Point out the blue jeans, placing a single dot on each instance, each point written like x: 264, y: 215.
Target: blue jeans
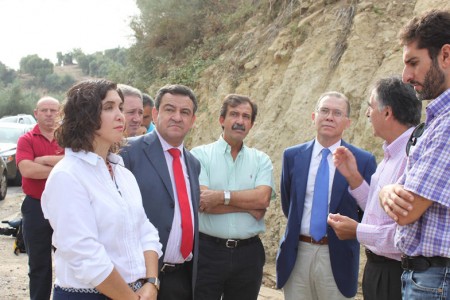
x: 430, y: 284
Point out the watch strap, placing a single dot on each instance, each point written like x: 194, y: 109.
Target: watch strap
x: 152, y: 280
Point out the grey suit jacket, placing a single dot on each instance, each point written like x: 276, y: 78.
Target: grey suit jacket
x: 144, y: 157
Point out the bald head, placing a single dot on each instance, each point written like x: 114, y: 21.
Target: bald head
x: 47, y: 99
x: 46, y: 112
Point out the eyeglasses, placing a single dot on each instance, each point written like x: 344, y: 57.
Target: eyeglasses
x: 415, y: 135
x: 324, y: 112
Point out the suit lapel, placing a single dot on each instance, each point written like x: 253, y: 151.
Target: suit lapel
x: 340, y: 185
x: 302, y: 161
x: 153, y: 151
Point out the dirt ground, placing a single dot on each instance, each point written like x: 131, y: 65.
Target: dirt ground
x: 13, y: 269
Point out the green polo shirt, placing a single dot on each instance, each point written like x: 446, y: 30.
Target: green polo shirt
x: 252, y: 168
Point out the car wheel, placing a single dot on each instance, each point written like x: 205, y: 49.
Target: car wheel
x: 3, y: 186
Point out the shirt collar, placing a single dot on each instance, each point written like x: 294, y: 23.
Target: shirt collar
x: 93, y: 158
x: 166, y: 146
x: 317, y: 149
x: 397, y: 147
x: 438, y: 106
x: 225, y: 147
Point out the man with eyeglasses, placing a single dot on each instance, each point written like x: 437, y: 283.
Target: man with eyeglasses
x: 133, y: 109
x: 393, y: 111
x: 420, y: 201
x: 312, y: 261
x: 37, y: 154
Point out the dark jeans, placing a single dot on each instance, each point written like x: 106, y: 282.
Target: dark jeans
x: 234, y: 273
x: 382, y: 279
x: 37, y: 235
x: 176, y: 285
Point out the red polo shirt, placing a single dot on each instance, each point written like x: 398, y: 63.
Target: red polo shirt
x: 29, y: 146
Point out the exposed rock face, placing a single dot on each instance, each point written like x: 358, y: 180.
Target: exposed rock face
x: 318, y: 46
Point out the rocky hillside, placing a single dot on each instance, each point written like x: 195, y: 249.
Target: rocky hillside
x: 315, y: 47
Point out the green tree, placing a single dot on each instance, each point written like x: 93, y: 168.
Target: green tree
x: 60, y: 58
x: 177, y: 39
x: 7, y: 75
x: 13, y: 101
x: 36, y: 66
x: 56, y: 83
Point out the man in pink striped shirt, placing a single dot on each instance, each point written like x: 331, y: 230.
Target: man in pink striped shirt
x: 393, y: 110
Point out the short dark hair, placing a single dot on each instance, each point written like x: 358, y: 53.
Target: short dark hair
x: 147, y: 100
x: 401, y: 98
x: 175, y: 89
x: 431, y: 30
x: 81, y: 115
x: 234, y: 100
x: 336, y: 95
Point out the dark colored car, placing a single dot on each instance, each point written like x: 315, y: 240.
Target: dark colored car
x: 9, y: 134
x: 3, y: 179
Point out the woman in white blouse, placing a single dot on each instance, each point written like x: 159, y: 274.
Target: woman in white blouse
x: 105, y: 245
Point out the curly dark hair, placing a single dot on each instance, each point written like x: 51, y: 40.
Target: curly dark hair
x: 81, y: 114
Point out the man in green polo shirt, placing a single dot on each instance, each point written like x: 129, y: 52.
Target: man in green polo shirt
x: 236, y: 185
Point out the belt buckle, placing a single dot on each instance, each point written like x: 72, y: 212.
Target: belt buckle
x: 167, y: 265
x: 231, y: 243
x: 410, y: 263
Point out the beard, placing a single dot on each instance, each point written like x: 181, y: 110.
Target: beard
x: 433, y: 84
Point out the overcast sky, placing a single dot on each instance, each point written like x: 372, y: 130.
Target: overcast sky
x: 44, y: 27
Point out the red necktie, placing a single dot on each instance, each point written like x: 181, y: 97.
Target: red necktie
x: 187, y: 238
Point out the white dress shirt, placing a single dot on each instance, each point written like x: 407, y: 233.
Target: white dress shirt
x: 172, y: 253
x: 99, y: 223
x: 313, y: 167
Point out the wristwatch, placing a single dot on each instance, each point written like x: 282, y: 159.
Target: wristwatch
x: 151, y: 280
x: 226, y: 197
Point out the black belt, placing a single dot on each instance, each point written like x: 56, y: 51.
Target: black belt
x: 169, y: 268
x: 422, y: 263
x: 229, y: 243
x: 372, y: 257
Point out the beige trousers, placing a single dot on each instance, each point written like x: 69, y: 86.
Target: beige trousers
x: 312, y: 277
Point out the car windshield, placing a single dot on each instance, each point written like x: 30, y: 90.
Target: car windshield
x: 10, y: 135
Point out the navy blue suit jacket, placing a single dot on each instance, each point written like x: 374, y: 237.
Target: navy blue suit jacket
x: 144, y: 157
x: 344, y: 255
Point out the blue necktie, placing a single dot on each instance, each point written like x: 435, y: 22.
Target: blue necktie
x: 319, y: 212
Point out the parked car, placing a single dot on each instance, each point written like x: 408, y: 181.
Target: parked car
x: 9, y: 134
x: 3, y: 179
x: 20, y: 118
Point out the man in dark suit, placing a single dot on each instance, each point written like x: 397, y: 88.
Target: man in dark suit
x: 152, y: 160
x: 323, y: 267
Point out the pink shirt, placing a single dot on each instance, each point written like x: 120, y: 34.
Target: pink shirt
x: 376, y: 230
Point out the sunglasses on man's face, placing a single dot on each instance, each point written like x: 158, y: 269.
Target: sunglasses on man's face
x: 415, y: 135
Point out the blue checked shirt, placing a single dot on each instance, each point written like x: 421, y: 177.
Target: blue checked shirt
x: 428, y: 175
